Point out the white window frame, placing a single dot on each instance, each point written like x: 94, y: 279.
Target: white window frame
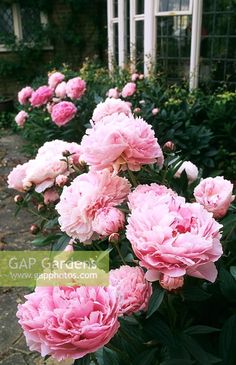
x: 133, y: 19
x: 173, y: 13
x: 17, y: 26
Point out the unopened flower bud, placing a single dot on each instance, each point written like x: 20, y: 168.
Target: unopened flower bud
x: 66, y: 153
x: 114, y: 238
x: 41, y: 207
x: 169, y: 146
x: 34, y: 229
x: 171, y: 283
x: 18, y: 199
x: 61, y: 180
x: 155, y: 111
x: 27, y: 186
x: 141, y: 77
x: 137, y: 110
x: 141, y: 102
x: 69, y: 248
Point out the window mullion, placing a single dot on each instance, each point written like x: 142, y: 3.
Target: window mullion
x: 149, y: 36
x: 110, y: 34
x: 122, y: 32
x: 17, y: 21
x: 132, y: 35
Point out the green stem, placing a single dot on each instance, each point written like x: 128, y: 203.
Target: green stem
x: 120, y: 254
x: 94, y: 359
x: 132, y: 178
x: 38, y: 215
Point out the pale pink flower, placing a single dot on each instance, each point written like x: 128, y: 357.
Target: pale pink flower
x: 41, y: 96
x: 128, y: 90
x: 147, y: 193
x: 75, y: 88
x: 215, y: 194
x: 63, y: 112
x: 88, y: 193
x: 141, y: 77
x: 169, y: 283
x: 109, y: 107
x: 60, y: 90
x: 175, y: 238
x: 61, y: 180
x: 108, y: 220
x: 133, y: 290
x: 21, y: 118
x: 55, y: 78
x: 69, y: 322
x: 50, y: 196
x: 113, y: 93
x: 134, y: 76
x: 190, y: 169
x: 121, y: 142
x: 155, y: 111
x: 24, y: 95
x: 16, y: 177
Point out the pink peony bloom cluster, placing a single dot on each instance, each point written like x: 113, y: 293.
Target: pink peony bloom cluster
x: 121, y: 142
x: 215, y: 194
x: 24, y: 95
x: 113, y: 93
x: 21, y: 118
x: 63, y: 112
x: 133, y: 290
x: 54, y: 79
x: 41, y: 96
x: 75, y: 88
x: 190, y: 169
x: 90, y: 194
x: 43, y: 170
x: 128, y: 90
x: 60, y: 90
x: 175, y: 238
x: 109, y: 107
x: 69, y: 322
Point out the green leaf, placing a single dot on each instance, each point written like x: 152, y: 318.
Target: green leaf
x: 110, y: 357
x: 61, y: 243
x: 195, y: 294
x: 177, y: 362
x: 227, y: 285
x: 155, y: 301
x: 52, y: 223
x: 199, y: 354
x: 228, y: 341
x: 83, y: 361
x: 197, y: 330
x: 44, y: 241
x: 146, y: 357
x: 233, y: 271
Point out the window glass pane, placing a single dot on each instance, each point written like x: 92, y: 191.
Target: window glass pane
x: 173, y: 5
x: 116, y: 44
x: 6, y: 20
x: 31, y: 25
x: 139, y: 7
x: 115, y: 8
x: 139, y: 44
x: 173, y: 45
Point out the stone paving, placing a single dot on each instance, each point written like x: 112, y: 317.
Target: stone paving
x: 14, y: 235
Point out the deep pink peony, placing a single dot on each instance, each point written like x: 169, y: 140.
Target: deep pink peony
x: 60, y: 90
x: 143, y: 193
x: 128, y: 90
x: 88, y: 193
x: 63, y: 112
x: 113, y: 93
x: 190, y: 169
x: 133, y: 290
x: 215, y: 194
x: 43, y: 170
x: 69, y: 322
x: 109, y: 107
x: 21, y: 118
x: 121, y: 142
x: 75, y: 88
x: 175, y: 238
x: 108, y: 220
x: 41, y: 96
x: 55, y: 78
x: 24, y: 95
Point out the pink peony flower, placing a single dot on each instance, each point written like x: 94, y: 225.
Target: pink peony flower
x: 121, y: 142
x: 128, y: 90
x: 133, y: 290
x: 134, y: 76
x: 170, y: 283
x: 190, y: 169
x: 75, y: 88
x: 16, y: 177
x: 109, y: 107
x: 24, y: 95
x: 175, y: 238
x: 88, y: 193
x: 113, y: 93
x: 215, y: 194
x: 108, y: 220
x: 60, y: 90
x: 63, y: 112
x: 69, y: 322
x: 21, y: 118
x: 41, y: 96
x: 50, y: 196
x: 147, y: 193
x: 54, y: 79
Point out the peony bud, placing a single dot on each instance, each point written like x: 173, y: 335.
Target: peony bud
x: 27, y: 186
x: 66, y: 153
x: 155, y: 111
x: 137, y: 110
x: 41, y: 207
x: 34, y: 229
x: 169, y: 283
x: 114, y: 238
x: 18, y: 199
x: 169, y: 146
x: 61, y: 180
